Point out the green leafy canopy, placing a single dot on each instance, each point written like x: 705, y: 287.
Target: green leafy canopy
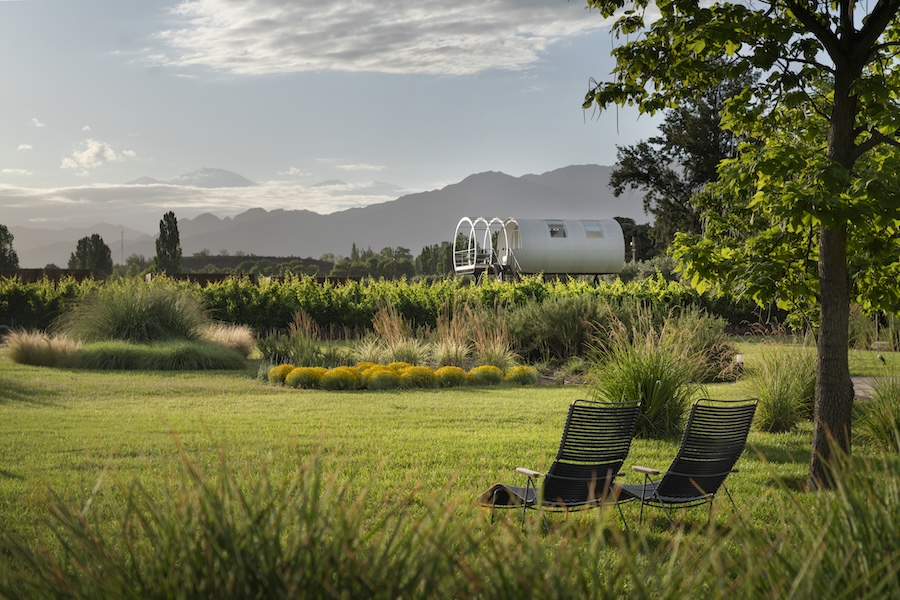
x: 761, y: 219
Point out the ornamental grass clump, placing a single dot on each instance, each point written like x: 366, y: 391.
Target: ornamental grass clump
x: 160, y: 356
x: 653, y: 365
x: 306, y: 378
x: 522, y: 375
x: 785, y: 383
x: 878, y: 420
x: 39, y: 349
x: 450, y: 376
x: 485, y: 375
x: 418, y: 377
x: 137, y: 312
x: 234, y: 337
x: 340, y: 379
x: 279, y: 373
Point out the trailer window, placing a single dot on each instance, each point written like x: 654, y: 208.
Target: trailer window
x: 557, y: 229
x: 593, y: 229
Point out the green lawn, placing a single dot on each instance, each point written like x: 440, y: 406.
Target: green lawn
x: 62, y: 430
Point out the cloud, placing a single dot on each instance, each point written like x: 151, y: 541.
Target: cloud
x: 140, y: 206
x: 86, y: 128
x: 15, y: 172
x: 93, y: 153
x: 37, y: 122
x: 361, y: 167
x: 252, y: 37
x: 24, y: 147
x: 293, y: 172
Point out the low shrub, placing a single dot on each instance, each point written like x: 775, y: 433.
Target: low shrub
x: 307, y: 378
x: 279, y: 373
x: 161, y: 356
x: 381, y: 378
x: 522, y: 375
x: 399, y: 366
x: 339, y: 379
x: 451, y: 376
x: 485, y: 375
x: 418, y: 377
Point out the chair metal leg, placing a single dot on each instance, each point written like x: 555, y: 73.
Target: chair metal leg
x: 734, y: 507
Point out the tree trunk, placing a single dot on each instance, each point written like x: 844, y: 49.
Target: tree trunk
x: 834, y: 388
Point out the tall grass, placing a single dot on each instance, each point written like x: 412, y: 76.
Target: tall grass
x: 878, y: 421
x: 133, y: 311
x: 42, y: 350
x: 312, y: 534
x: 654, y: 365
x: 784, y: 380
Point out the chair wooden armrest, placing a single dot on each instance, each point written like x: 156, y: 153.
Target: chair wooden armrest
x: 646, y: 470
x: 528, y: 472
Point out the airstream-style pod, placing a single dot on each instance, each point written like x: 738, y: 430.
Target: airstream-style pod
x: 528, y: 246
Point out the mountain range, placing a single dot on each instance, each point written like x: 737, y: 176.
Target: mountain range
x: 412, y: 221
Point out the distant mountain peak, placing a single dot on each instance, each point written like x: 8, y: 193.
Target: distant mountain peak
x: 204, y: 177
x: 212, y: 178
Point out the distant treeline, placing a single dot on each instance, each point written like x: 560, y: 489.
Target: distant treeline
x: 389, y: 263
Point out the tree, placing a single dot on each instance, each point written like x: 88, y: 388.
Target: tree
x: 92, y: 253
x: 8, y: 257
x: 819, y: 123
x: 168, y: 245
x: 674, y: 166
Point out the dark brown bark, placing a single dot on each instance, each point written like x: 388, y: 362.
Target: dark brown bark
x: 834, y: 388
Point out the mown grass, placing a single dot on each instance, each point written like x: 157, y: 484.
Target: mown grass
x: 65, y: 430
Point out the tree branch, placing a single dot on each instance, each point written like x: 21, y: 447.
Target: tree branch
x: 876, y: 138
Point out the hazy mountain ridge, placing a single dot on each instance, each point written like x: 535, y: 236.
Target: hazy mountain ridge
x: 203, y: 177
x: 412, y: 221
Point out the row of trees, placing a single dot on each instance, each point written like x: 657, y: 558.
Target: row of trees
x: 92, y: 253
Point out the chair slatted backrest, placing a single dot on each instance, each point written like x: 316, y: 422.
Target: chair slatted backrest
x: 714, y: 438
x: 594, y: 444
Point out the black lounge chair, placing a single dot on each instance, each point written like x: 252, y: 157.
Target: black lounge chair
x: 595, y: 443
x: 713, y: 440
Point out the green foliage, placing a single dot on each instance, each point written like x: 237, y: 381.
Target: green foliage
x: 669, y: 169
x: 785, y: 383
x: 485, y: 375
x: 522, y: 375
x: 8, y: 257
x: 168, y: 245
x: 307, y: 378
x: 878, y: 418
x: 279, y: 373
x: 451, y: 376
x: 92, y: 253
x: 557, y: 328
x: 135, y: 312
x: 656, y: 366
x: 340, y: 378
x: 159, y: 356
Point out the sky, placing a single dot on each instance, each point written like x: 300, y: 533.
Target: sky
x: 289, y: 94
